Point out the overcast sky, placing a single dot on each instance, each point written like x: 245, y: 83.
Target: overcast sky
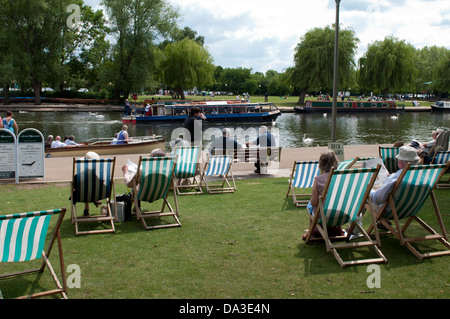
x: 262, y: 34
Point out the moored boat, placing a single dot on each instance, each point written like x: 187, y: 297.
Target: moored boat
x: 103, y: 146
x: 441, y: 106
x: 350, y: 106
x: 215, y: 111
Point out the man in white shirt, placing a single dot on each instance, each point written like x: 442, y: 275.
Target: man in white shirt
x: 57, y: 143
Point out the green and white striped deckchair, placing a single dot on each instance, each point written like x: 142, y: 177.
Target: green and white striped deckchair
x: 414, y: 186
x: 347, y: 164
x: 92, y: 182
x: 218, y: 166
x: 442, y: 157
x: 389, y: 157
x: 156, y: 176
x: 343, y: 199
x: 302, y: 176
x: 186, y: 169
x: 23, y: 238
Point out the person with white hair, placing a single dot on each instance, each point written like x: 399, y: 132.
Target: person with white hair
x: 122, y: 137
x: 406, y: 154
x: 225, y: 142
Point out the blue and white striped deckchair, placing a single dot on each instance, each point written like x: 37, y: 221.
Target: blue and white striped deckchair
x: 92, y: 182
x: 22, y: 239
x: 219, y: 166
x: 442, y: 157
x: 389, y: 157
x: 302, y: 176
x: 156, y: 177
x: 413, y: 188
x: 343, y: 199
x: 186, y: 170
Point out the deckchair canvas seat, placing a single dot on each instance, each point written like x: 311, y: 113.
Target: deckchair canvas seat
x: 342, y: 201
x: 156, y: 177
x: 218, y: 166
x: 186, y: 170
x: 302, y: 176
x: 389, y: 157
x: 92, y: 182
x: 442, y: 157
x: 23, y: 239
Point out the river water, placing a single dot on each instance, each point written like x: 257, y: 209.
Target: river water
x: 351, y: 129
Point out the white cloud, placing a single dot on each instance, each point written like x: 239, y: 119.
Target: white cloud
x: 262, y: 34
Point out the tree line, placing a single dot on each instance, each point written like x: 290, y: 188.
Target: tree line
x: 137, y: 46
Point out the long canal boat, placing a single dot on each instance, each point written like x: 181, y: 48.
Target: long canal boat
x: 214, y: 111
x: 350, y: 106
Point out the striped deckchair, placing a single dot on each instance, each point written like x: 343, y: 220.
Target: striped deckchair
x: 343, y: 199
x: 186, y: 170
x: 156, y: 176
x: 93, y: 181
x: 218, y: 166
x: 389, y: 157
x: 302, y: 176
x: 23, y: 238
x: 347, y: 164
x: 414, y: 186
x: 442, y: 157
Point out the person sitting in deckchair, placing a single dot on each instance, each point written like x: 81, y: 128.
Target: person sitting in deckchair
x: 130, y: 175
x: 407, y: 154
x: 326, y: 162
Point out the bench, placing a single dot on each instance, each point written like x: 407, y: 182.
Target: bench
x: 252, y: 155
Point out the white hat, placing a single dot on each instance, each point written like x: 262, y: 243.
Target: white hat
x: 408, y: 154
x: 92, y: 155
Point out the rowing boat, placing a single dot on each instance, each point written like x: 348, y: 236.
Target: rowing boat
x: 103, y: 146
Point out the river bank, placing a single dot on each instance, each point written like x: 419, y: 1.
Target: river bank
x: 50, y: 107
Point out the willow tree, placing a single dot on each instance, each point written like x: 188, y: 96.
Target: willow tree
x: 314, y: 60
x: 441, y: 75
x: 186, y: 64
x: 388, y: 65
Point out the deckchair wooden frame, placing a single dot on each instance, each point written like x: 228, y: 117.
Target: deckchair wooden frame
x: 143, y: 215
x: 107, y: 218
x: 399, y: 231
x: 56, y: 236
x: 214, y: 187
x: 298, y: 198
x: 331, y: 246
x: 193, y: 184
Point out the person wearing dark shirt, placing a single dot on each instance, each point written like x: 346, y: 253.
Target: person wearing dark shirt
x: 225, y: 142
x: 193, y: 124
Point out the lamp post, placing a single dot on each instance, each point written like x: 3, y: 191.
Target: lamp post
x: 335, y: 75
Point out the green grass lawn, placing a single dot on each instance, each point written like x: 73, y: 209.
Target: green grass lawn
x: 242, y: 245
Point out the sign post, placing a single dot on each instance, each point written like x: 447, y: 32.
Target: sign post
x: 338, y: 149
x: 30, y: 153
x: 8, y: 155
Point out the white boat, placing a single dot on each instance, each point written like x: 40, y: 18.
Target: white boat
x: 441, y: 106
x: 103, y: 146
